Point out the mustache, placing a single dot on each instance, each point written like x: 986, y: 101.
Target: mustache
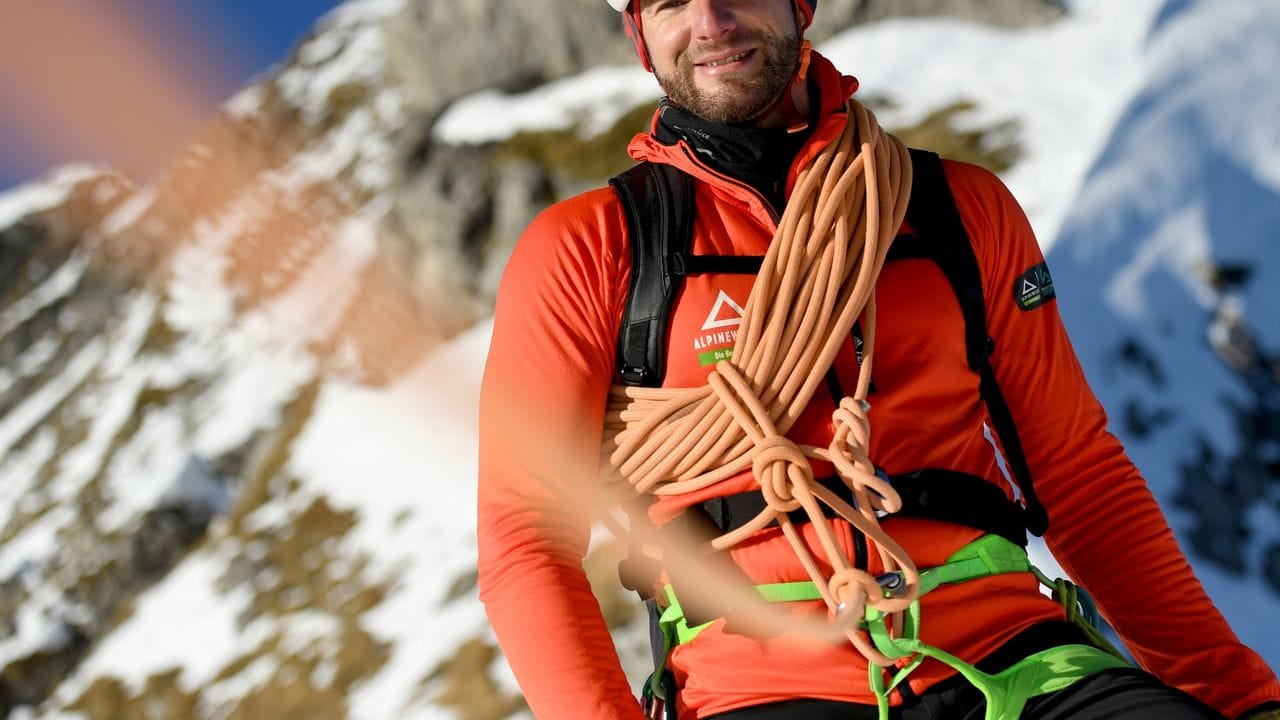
x: 753, y: 37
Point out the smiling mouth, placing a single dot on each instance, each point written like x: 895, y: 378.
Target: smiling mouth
x: 728, y: 60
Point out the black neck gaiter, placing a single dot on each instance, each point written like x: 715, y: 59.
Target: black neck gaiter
x: 759, y: 157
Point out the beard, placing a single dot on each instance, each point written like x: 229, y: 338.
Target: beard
x: 737, y: 100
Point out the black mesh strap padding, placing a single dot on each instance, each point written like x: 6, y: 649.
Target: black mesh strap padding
x: 931, y: 494
x: 960, y: 498
x: 1041, y: 636
x: 941, y: 236
x: 659, y: 205
x: 731, y: 512
x: 728, y: 264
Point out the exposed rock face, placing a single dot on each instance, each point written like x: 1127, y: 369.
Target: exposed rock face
x: 440, y: 51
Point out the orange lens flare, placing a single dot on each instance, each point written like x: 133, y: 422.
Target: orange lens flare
x: 96, y: 81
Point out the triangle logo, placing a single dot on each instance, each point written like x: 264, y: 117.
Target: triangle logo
x: 1034, y: 288
x: 725, y: 313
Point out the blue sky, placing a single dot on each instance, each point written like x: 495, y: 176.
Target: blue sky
x: 219, y: 44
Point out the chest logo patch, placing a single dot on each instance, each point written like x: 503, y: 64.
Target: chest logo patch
x: 720, y: 331
x: 1034, y: 288
x: 725, y: 313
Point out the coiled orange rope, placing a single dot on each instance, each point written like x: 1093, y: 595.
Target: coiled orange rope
x: 817, y: 279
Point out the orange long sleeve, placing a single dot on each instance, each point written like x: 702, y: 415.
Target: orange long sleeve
x: 542, y: 407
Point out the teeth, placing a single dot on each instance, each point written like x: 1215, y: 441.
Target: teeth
x: 727, y: 60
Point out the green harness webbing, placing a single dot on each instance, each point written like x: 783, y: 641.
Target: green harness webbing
x: 1006, y: 691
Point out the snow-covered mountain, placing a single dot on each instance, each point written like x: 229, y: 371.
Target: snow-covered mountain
x: 238, y: 462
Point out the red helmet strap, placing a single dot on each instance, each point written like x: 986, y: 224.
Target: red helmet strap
x: 631, y: 19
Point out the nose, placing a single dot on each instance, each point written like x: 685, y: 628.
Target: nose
x: 712, y: 19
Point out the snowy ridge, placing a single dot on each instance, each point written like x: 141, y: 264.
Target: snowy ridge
x: 346, y: 55
x: 406, y: 456
x: 1064, y: 85
x: 102, y: 388
x: 136, y: 406
x: 593, y: 99
x: 16, y: 203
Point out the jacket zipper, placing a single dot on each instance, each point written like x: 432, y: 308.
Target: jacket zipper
x: 774, y: 215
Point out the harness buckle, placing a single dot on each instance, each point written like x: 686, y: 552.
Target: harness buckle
x: 893, y: 583
x: 633, y: 375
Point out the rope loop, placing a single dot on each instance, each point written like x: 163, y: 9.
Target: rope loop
x: 852, y: 414
x: 741, y: 400
x: 852, y: 437
x: 781, y: 467
x: 859, y: 408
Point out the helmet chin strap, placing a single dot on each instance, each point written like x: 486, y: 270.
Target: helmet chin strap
x: 797, y: 93
x: 631, y: 21
x: 794, y: 100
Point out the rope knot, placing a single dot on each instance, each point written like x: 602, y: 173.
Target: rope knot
x: 780, y: 466
x: 851, y: 588
x: 853, y: 414
x: 848, y: 447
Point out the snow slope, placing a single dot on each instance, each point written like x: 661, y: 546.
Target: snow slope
x: 403, y: 457
x: 1189, y: 181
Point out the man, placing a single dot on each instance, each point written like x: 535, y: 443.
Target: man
x: 749, y: 112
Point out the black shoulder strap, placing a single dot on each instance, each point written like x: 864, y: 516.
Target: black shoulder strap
x: 659, y: 204
x: 941, y: 237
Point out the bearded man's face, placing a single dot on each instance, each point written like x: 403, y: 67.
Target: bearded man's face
x: 726, y: 61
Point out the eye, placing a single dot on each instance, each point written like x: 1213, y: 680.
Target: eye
x: 662, y: 6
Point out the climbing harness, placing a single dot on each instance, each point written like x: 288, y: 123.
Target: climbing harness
x: 1006, y: 691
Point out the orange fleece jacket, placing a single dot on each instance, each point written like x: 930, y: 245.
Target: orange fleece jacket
x: 549, y: 369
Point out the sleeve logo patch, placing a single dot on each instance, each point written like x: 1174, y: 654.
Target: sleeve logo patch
x: 1034, y: 288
